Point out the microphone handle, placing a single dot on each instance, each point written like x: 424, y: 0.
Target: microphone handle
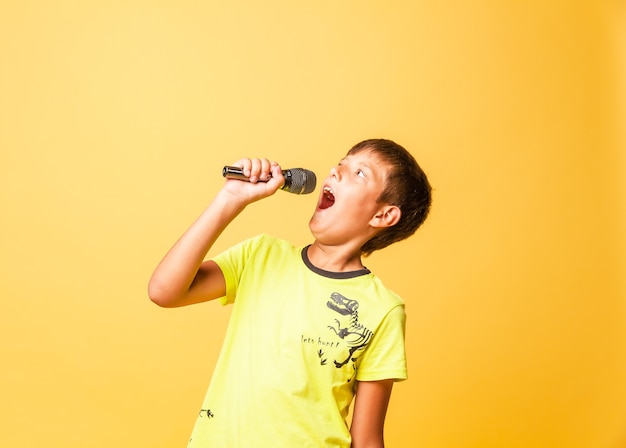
x: 234, y: 172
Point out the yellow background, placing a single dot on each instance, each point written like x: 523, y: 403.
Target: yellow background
x: 117, y: 116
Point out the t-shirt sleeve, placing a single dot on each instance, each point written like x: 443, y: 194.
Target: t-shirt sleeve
x: 385, y: 357
x: 232, y: 263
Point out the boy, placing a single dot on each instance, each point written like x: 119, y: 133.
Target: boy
x: 311, y: 327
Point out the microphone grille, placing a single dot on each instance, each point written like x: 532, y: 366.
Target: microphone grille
x: 299, y: 181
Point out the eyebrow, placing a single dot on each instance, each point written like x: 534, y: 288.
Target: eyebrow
x: 365, y: 166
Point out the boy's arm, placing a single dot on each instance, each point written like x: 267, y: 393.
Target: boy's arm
x: 370, y: 409
x: 183, y: 277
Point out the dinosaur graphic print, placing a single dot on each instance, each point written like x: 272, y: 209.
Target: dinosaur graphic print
x: 350, y: 330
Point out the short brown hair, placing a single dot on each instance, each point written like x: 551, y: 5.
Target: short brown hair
x: 406, y: 187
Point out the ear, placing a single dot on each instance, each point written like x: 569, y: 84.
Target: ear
x: 386, y: 216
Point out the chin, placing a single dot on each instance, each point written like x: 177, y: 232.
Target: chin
x: 314, y: 226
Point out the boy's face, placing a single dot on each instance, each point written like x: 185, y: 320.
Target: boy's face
x: 347, y: 202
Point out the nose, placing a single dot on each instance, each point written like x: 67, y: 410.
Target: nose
x: 336, y: 172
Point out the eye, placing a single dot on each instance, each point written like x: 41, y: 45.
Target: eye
x: 360, y: 173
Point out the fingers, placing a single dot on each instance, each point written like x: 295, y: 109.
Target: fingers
x: 258, y: 169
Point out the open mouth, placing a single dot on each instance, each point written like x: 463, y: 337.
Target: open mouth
x: 327, y: 199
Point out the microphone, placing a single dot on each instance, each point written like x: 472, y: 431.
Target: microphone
x: 297, y: 180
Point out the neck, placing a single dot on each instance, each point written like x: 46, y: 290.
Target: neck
x: 334, y: 258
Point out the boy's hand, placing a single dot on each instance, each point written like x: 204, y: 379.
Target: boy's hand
x: 265, y: 178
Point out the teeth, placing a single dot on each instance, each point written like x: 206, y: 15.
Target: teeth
x: 328, y: 190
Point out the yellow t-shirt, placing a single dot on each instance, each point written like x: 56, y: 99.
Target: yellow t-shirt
x: 298, y: 340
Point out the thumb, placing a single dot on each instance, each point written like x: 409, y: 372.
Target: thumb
x: 278, y: 179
